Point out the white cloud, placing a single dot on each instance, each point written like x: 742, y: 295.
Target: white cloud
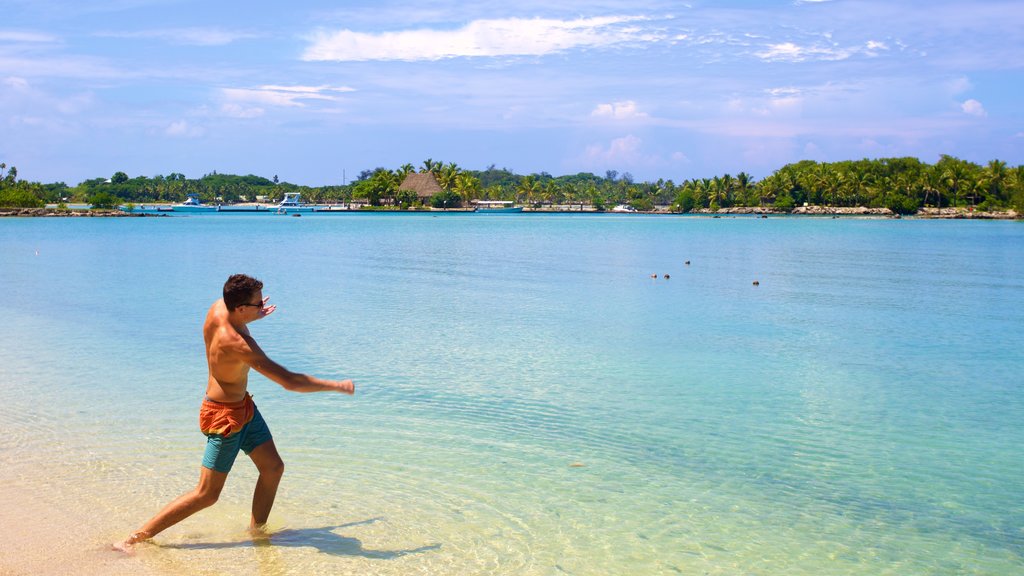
x: 792, y: 52
x: 182, y: 129
x: 479, y: 38
x: 287, y: 96
x: 784, y: 51
x: 233, y: 110
x: 187, y: 36
x: 974, y: 108
x: 21, y: 36
x: 813, y: 152
x: 959, y: 85
x: 59, y: 66
x: 309, y: 90
x: 627, y: 152
x: 625, y: 110
x: 16, y: 83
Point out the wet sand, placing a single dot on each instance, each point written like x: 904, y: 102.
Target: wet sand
x: 41, y: 538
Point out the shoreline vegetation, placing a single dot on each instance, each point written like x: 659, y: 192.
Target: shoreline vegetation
x: 887, y: 187
x: 809, y: 211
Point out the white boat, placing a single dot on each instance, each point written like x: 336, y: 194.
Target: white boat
x: 623, y: 208
x: 292, y: 204
x: 497, y: 207
x: 193, y: 204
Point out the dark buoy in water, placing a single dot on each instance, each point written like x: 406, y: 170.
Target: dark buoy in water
x: 687, y: 262
x: 756, y: 283
x: 667, y: 276
x: 296, y: 215
x: 654, y: 275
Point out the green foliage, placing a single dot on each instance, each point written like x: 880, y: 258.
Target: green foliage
x: 900, y: 204
x: 446, y: 199
x: 406, y: 198
x: 903, y: 184
x: 1017, y: 203
x: 16, y: 193
x: 785, y: 202
x: 19, y: 197
x: 104, y: 201
x: 684, y: 201
x: 642, y: 204
x: 55, y: 192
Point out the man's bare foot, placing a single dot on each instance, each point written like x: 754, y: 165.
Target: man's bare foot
x: 259, y: 531
x: 128, y: 546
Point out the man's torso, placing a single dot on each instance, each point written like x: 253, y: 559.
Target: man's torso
x: 228, y: 374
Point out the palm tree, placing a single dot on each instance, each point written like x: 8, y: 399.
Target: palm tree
x: 528, y: 188
x: 591, y: 193
x: 743, y: 187
x: 859, y: 184
x: 467, y: 186
x: 955, y: 176
x: 932, y: 183
x: 702, y: 192
x: 429, y: 166
x: 769, y: 189
x: 570, y: 192
x: 447, y: 174
x: 825, y: 182
x: 995, y: 178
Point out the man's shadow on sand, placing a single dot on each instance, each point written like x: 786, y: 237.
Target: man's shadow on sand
x: 323, y: 539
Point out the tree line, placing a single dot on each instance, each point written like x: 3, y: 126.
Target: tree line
x: 903, y: 185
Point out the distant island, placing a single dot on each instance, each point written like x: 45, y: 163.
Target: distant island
x: 893, y: 186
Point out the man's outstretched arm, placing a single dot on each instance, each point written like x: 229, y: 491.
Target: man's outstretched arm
x: 254, y: 356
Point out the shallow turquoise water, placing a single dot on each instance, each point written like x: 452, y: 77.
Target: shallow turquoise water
x: 861, y: 411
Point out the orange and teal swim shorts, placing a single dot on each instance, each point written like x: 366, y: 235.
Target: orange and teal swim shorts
x: 230, y: 427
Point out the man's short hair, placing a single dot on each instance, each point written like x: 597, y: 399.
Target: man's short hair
x: 239, y: 289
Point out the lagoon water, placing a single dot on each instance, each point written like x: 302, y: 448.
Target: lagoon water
x: 529, y: 400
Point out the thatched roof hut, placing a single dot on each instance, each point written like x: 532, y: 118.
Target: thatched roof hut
x: 423, y: 184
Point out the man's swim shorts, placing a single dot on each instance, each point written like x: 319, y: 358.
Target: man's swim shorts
x: 230, y: 427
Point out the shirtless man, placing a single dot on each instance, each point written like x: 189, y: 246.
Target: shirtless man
x: 228, y: 416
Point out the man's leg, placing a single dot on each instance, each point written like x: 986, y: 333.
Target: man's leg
x: 204, y: 495
x: 271, y: 468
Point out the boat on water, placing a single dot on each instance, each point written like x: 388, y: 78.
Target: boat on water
x: 292, y: 204
x: 497, y: 207
x: 623, y: 208
x: 192, y: 204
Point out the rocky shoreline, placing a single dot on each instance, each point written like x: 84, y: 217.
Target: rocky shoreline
x: 964, y: 213
x: 58, y: 213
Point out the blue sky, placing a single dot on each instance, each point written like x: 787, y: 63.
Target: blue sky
x: 317, y: 91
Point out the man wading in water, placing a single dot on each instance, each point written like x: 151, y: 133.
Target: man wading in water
x: 228, y: 416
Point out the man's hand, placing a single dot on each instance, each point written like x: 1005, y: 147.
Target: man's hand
x: 347, y: 387
x: 267, y: 310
